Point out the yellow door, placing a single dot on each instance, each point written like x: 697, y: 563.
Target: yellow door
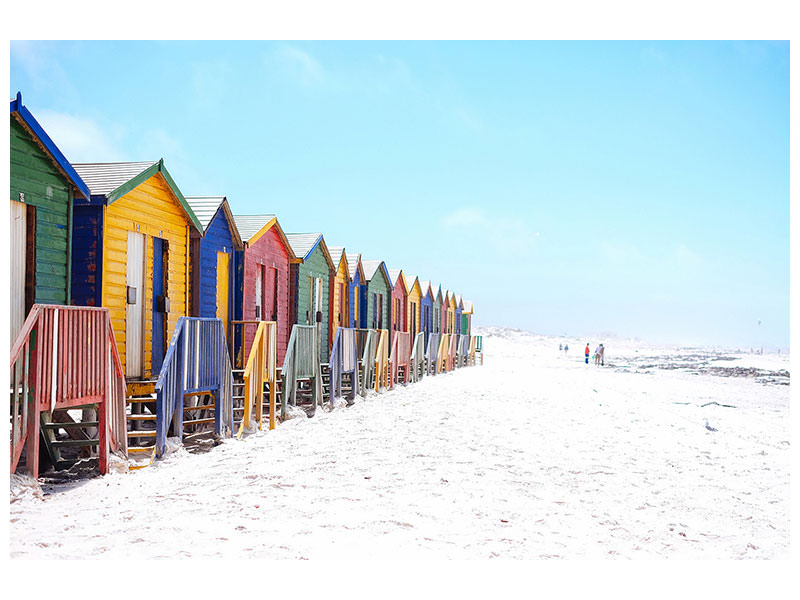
x: 223, y: 258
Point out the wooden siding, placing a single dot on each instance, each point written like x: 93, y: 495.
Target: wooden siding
x: 426, y: 311
x: 414, y: 304
x: 149, y: 209
x: 378, y: 285
x: 269, y: 251
x: 356, y: 287
x: 87, y: 255
x: 312, y: 267
x: 44, y: 187
x: 399, y: 297
x: 217, y: 238
x: 340, y: 279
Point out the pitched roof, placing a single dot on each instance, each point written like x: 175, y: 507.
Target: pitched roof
x: 104, y: 178
x: 394, y: 275
x: 353, y: 263
x: 303, y: 244
x: 410, y: 280
x: 114, y: 180
x: 205, y: 209
x: 21, y: 113
x: 371, y: 267
x: 468, y: 307
x: 250, y: 225
x: 336, y: 256
x: 425, y: 286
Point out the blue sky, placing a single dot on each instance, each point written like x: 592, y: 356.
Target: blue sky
x: 633, y: 188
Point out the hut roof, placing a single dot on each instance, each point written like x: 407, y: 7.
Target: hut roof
x: 205, y: 208
x: 425, y: 287
x: 23, y: 115
x: 303, y: 244
x: 371, y: 267
x: 114, y: 180
x: 353, y: 263
x: 336, y: 256
x: 468, y: 307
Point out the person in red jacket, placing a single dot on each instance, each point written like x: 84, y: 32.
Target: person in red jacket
x: 586, y: 353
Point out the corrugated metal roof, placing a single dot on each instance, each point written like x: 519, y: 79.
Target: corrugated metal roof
x: 393, y: 275
x: 249, y: 225
x: 204, y: 207
x: 468, y: 308
x: 458, y: 299
x: 425, y: 286
x: 303, y: 243
x: 370, y: 267
x: 410, y: 279
x: 104, y: 178
x: 336, y: 255
x: 352, y: 264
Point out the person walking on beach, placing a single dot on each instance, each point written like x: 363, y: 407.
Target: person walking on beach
x: 586, y: 353
x: 560, y: 347
x: 566, y: 348
x: 597, y: 355
x: 602, y: 355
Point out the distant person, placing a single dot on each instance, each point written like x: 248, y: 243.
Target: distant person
x: 586, y: 353
x: 566, y: 348
x: 597, y: 356
x: 560, y: 347
x: 602, y: 355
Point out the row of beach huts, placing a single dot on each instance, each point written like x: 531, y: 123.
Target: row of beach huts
x: 140, y: 314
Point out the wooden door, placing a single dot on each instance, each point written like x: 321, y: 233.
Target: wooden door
x: 134, y: 311
x: 18, y: 250
x: 223, y: 279
x: 259, y: 293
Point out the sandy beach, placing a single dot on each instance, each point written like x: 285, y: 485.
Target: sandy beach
x: 532, y: 455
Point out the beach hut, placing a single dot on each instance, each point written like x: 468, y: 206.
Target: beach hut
x: 43, y: 187
x: 451, y: 312
x: 445, y: 311
x: 310, y: 274
x: 438, y: 301
x: 466, y: 318
x: 399, y: 310
x: 426, y: 309
x: 339, y: 293
x: 212, y: 254
x: 261, y: 292
x: 413, y: 319
x: 132, y: 256
x: 357, y: 292
x: 379, y: 294
x: 459, y: 308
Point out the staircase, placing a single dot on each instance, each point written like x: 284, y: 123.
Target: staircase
x: 140, y: 413
x: 67, y: 388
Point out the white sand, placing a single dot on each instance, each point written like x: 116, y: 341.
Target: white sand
x: 532, y: 455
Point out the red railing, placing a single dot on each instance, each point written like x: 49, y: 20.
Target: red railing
x: 64, y: 357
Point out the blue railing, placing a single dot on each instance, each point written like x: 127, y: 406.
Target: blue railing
x: 344, y: 360
x: 432, y: 353
x: 197, y: 360
x: 463, y: 350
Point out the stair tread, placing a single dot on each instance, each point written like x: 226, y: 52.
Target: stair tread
x: 141, y: 434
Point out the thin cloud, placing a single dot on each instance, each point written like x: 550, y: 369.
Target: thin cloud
x: 506, y: 237
x: 302, y: 65
x: 80, y: 138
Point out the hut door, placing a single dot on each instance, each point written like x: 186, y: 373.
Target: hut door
x: 160, y: 303
x: 223, y: 277
x: 259, y: 292
x: 413, y: 319
x: 270, y: 294
x: 340, y: 320
x: 134, y: 305
x: 18, y: 250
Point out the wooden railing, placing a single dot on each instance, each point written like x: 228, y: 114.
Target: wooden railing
x: 301, y: 362
x: 197, y: 360
x: 65, y: 357
x: 260, y: 369
x: 463, y: 350
x: 471, y: 355
x: 366, y: 346
x: 400, y: 356
x: 479, y: 347
x: 382, y: 361
x: 344, y: 360
x: 452, y: 352
x: 417, y: 362
x: 432, y: 352
x: 441, y: 355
